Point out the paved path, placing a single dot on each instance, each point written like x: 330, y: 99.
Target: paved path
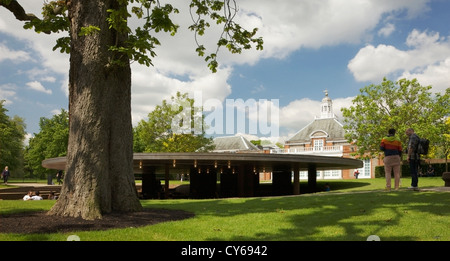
x: 26, y: 184
x: 445, y: 189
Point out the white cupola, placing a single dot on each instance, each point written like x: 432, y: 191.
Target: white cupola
x: 326, y: 108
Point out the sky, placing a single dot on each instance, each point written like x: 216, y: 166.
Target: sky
x: 309, y: 46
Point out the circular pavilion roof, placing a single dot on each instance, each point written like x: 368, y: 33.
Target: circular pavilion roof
x: 185, y: 160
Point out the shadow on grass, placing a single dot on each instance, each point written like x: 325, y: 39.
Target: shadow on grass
x: 336, y: 185
x: 403, y: 215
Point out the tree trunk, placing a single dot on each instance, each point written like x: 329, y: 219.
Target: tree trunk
x: 99, y: 174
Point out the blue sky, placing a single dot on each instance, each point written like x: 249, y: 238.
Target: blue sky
x: 310, y: 46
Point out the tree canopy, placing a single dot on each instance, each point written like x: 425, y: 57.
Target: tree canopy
x: 400, y: 105
x: 158, y: 133
x: 50, y: 142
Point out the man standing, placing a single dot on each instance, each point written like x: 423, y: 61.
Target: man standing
x: 392, y: 148
x: 413, y: 157
x: 5, y: 175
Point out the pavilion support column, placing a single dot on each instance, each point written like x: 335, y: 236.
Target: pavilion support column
x: 228, y: 183
x: 194, y: 185
x: 247, y: 181
x: 281, y: 180
x: 255, y: 180
x: 296, y: 189
x: 149, y: 184
x: 166, y: 181
x: 211, y: 183
x: 203, y: 182
x: 312, y: 178
x: 241, y: 180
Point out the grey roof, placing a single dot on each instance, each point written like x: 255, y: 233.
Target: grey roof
x: 233, y: 144
x: 331, y: 127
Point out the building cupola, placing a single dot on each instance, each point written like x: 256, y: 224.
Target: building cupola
x: 326, y: 108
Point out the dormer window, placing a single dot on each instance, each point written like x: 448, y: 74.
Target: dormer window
x: 318, y: 145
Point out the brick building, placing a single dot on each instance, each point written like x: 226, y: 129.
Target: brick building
x: 325, y: 136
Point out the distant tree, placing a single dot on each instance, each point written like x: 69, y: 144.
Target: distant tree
x: 280, y: 145
x: 444, y: 149
x: 400, y: 105
x: 12, y: 136
x: 50, y: 142
x: 175, y: 126
x: 256, y: 142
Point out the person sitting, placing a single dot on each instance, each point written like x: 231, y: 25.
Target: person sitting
x: 37, y: 196
x: 430, y: 171
x: 52, y: 196
x: 28, y: 195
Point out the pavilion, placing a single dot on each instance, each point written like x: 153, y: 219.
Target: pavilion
x: 237, y: 172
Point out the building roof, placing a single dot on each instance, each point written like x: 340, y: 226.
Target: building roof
x: 233, y: 144
x: 183, y: 159
x: 330, y: 128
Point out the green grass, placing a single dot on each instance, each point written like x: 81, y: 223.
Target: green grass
x: 404, y: 215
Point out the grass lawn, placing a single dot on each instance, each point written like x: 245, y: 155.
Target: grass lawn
x: 326, y: 216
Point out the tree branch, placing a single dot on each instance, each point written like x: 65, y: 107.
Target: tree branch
x: 54, y: 8
x: 17, y: 10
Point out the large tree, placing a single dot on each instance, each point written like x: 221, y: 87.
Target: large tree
x: 99, y: 174
x: 174, y: 126
x: 400, y: 105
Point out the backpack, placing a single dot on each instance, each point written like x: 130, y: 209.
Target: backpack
x: 423, y: 146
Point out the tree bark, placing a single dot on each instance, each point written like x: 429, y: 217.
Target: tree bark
x: 99, y: 174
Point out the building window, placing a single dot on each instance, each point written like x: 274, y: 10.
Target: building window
x: 332, y: 174
x: 365, y: 170
x: 318, y: 145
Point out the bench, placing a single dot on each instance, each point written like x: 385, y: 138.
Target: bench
x: 19, y: 193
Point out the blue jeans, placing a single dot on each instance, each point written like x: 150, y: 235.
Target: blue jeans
x: 414, y: 166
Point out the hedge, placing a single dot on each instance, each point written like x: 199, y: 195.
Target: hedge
x: 439, y: 168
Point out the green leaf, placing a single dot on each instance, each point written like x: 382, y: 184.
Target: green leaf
x: 89, y: 30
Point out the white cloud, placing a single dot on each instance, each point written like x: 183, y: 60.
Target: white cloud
x: 7, y: 93
x: 258, y: 89
x: 55, y: 111
x: 14, y: 56
x: 37, y: 86
x: 64, y: 87
x: 48, y: 79
x: 436, y: 75
x: 28, y: 136
x: 427, y: 58
x: 289, y: 25
x: 387, y: 30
